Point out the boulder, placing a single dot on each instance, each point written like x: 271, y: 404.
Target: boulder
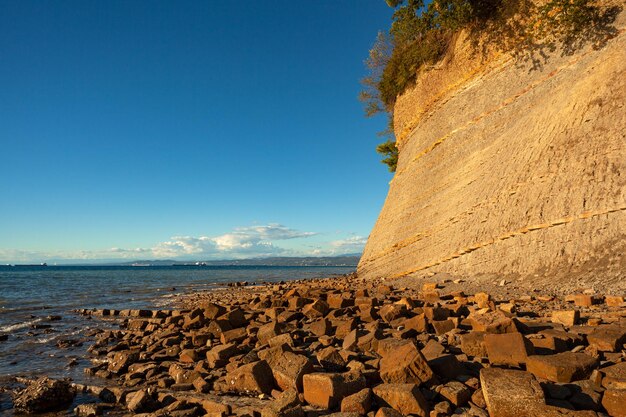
x: 507, y: 348
x: 236, y: 318
x: 219, y: 355
x: 122, y: 360
x: 286, y: 405
x: 442, y: 326
x: 330, y: 359
x: 212, y: 310
x: 405, y: 364
x: 44, y: 395
x: 326, y: 390
x: 267, y: 331
x: 614, y: 376
x: 607, y: 338
x: 562, y: 367
x: 359, y: 402
x: 583, y: 300
x: 614, y: 401
x: 566, y: 318
x: 404, y: 398
x: 321, y: 327
x: 418, y: 323
x: 456, y: 392
x: 289, y: 370
x: 387, y: 412
x: 472, y: 344
x: 390, y: 312
x: 253, y: 378
x: 511, y: 393
x: 317, y: 309
x: 491, y: 322
x: 614, y: 300
x: 142, y: 401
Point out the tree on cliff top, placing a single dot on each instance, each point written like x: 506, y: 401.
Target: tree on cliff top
x: 421, y: 33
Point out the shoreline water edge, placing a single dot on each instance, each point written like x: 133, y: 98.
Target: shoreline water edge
x: 342, y: 346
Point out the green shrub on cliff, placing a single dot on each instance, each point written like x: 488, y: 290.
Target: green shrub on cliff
x: 390, y: 151
x: 421, y: 33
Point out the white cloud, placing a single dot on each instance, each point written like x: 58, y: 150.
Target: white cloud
x: 241, y: 242
x: 353, y: 244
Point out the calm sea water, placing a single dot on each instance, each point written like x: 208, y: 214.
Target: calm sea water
x: 31, y: 296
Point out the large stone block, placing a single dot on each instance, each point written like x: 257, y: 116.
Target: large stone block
x: 404, y: 398
x: 405, y: 364
x: 327, y: 390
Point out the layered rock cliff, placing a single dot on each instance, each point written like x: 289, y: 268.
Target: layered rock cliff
x: 509, y: 171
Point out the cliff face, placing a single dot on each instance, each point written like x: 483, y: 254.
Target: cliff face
x: 507, y: 171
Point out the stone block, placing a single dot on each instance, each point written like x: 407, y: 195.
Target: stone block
x: 404, y: 398
x: 562, y: 367
x: 507, y: 348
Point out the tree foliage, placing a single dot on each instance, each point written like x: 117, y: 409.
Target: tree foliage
x: 390, y: 151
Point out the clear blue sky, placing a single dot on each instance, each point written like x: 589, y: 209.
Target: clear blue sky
x: 209, y: 129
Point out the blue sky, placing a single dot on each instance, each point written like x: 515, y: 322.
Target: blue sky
x: 209, y: 129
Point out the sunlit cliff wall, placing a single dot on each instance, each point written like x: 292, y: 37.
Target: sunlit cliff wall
x: 507, y: 171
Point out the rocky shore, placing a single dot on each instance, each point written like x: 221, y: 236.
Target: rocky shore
x: 348, y: 347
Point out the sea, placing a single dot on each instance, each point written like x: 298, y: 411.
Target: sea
x: 46, y: 336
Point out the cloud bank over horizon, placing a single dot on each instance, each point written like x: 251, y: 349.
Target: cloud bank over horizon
x: 242, y: 242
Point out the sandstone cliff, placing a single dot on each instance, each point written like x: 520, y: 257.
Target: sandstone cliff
x: 509, y: 171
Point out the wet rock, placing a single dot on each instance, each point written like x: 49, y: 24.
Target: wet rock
x: 122, y: 360
x: 143, y: 401
x: 91, y: 410
x: 44, y: 395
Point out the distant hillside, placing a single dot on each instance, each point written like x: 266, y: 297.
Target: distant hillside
x: 344, y: 260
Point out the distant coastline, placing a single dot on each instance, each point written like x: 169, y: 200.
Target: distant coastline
x: 349, y: 260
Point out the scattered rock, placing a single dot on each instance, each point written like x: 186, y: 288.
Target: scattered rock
x: 44, y: 395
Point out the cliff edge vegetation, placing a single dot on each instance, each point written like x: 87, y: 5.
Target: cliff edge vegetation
x: 423, y: 33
